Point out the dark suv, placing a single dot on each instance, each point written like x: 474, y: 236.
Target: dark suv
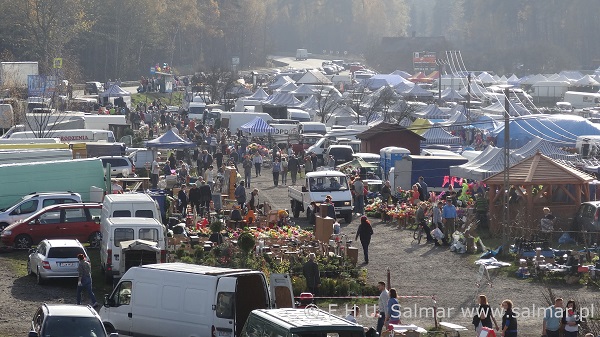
x: 67, y: 320
x: 587, y: 217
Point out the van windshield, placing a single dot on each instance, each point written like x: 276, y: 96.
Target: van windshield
x: 328, y: 184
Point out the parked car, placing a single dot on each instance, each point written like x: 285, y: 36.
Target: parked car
x: 119, y: 165
x: 67, y: 320
x: 55, y: 259
x: 34, y: 202
x: 587, y: 217
x: 79, y: 221
x: 93, y: 88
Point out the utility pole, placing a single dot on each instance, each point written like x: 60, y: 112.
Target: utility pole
x: 468, y: 110
x: 441, y: 67
x: 506, y: 187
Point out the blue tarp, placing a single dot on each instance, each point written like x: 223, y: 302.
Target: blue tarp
x: 560, y: 130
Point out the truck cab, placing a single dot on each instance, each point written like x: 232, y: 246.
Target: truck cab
x: 317, y: 186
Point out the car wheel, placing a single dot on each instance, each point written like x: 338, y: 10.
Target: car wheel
x: 29, y: 269
x: 296, y: 210
x: 39, y: 279
x: 2, y: 226
x: 23, y: 241
x: 95, y: 239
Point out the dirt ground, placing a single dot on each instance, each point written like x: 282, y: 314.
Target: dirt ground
x: 422, y: 270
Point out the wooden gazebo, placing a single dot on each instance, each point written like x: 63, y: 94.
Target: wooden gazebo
x: 539, y: 182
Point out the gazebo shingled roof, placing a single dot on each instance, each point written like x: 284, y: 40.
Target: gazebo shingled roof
x: 538, y: 170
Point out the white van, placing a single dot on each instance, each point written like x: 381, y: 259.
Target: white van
x: 298, y: 115
x: 182, y: 300
x: 143, y: 157
x: 580, y: 100
x: 70, y: 136
x: 313, y: 127
x: 137, y: 205
x: 130, y: 242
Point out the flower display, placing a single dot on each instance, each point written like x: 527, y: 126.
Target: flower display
x: 254, y: 147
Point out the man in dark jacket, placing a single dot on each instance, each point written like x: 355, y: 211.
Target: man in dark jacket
x: 182, y: 201
x: 293, y: 168
x: 205, y: 197
x: 194, y: 198
x: 310, y: 270
x: 240, y: 194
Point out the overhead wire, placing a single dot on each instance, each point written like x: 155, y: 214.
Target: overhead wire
x: 530, y: 102
x: 560, y: 140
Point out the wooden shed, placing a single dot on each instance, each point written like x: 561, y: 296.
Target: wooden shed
x: 538, y: 182
x: 387, y: 134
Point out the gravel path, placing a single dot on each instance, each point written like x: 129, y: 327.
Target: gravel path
x: 415, y: 270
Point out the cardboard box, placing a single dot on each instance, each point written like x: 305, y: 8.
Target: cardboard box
x: 323, y: 228
x: 353, y: 254
x: 323, y: 210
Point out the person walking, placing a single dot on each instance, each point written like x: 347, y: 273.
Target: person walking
x: 359, y: 192
x: 194, y: 198
x: 448, y: 219
x: 182, y: 199
x: 154, y: 172
x: 485, y: 315
x: 293, y: 166
x: 310, y: 270
x: 284, y: 171
x: 365, y: 231
x: 84, y: 281
x: 509, y: 320
x: 276, y: 171
x: 384, y: 297
x: 552, y: 319
x: 205, y: 196
x: 393, y: 309
x: 257, y: 159
x: 240, y: 194
x: 571, y: 320
x: 308, y: 165
x: 424, y: 193
x: 247, y: 165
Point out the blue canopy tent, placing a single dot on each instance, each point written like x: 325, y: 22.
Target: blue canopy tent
x: 169, y: 141
x: 257, y: 125
x: 560, y: 130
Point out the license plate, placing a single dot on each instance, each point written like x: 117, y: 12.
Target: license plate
x: 67, y: 264
x: 224, y: 333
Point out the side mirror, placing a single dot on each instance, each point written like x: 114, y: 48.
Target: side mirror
x: 108, y: 302
x: 34, y: 334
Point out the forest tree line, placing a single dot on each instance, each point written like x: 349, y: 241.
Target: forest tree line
x: 108, y: 39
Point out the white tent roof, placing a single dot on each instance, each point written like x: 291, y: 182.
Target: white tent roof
x: 533, y: 79
x: 516, y: 109
x: 287, y: 87
x: 309, y: 103
x: 432, y: 111
x: 402, y: 73
x: 304, y: 90
x: 476, y: 90
x: 313, y: 77
x: 259, y: 95
x: 449, y: 94
x: 571, y: 75
x: 437, y: 135
x: 486, y: 78
x: 282, y: 99
x: 282, y: 80
x: 585, y: 81
x: 115, y: 91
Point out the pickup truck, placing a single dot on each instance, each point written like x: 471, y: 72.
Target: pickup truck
x: 317, y: 186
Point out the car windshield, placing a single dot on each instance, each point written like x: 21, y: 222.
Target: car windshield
x: 65, y: 326
x: 65, y: 252
x: 328, y: 184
